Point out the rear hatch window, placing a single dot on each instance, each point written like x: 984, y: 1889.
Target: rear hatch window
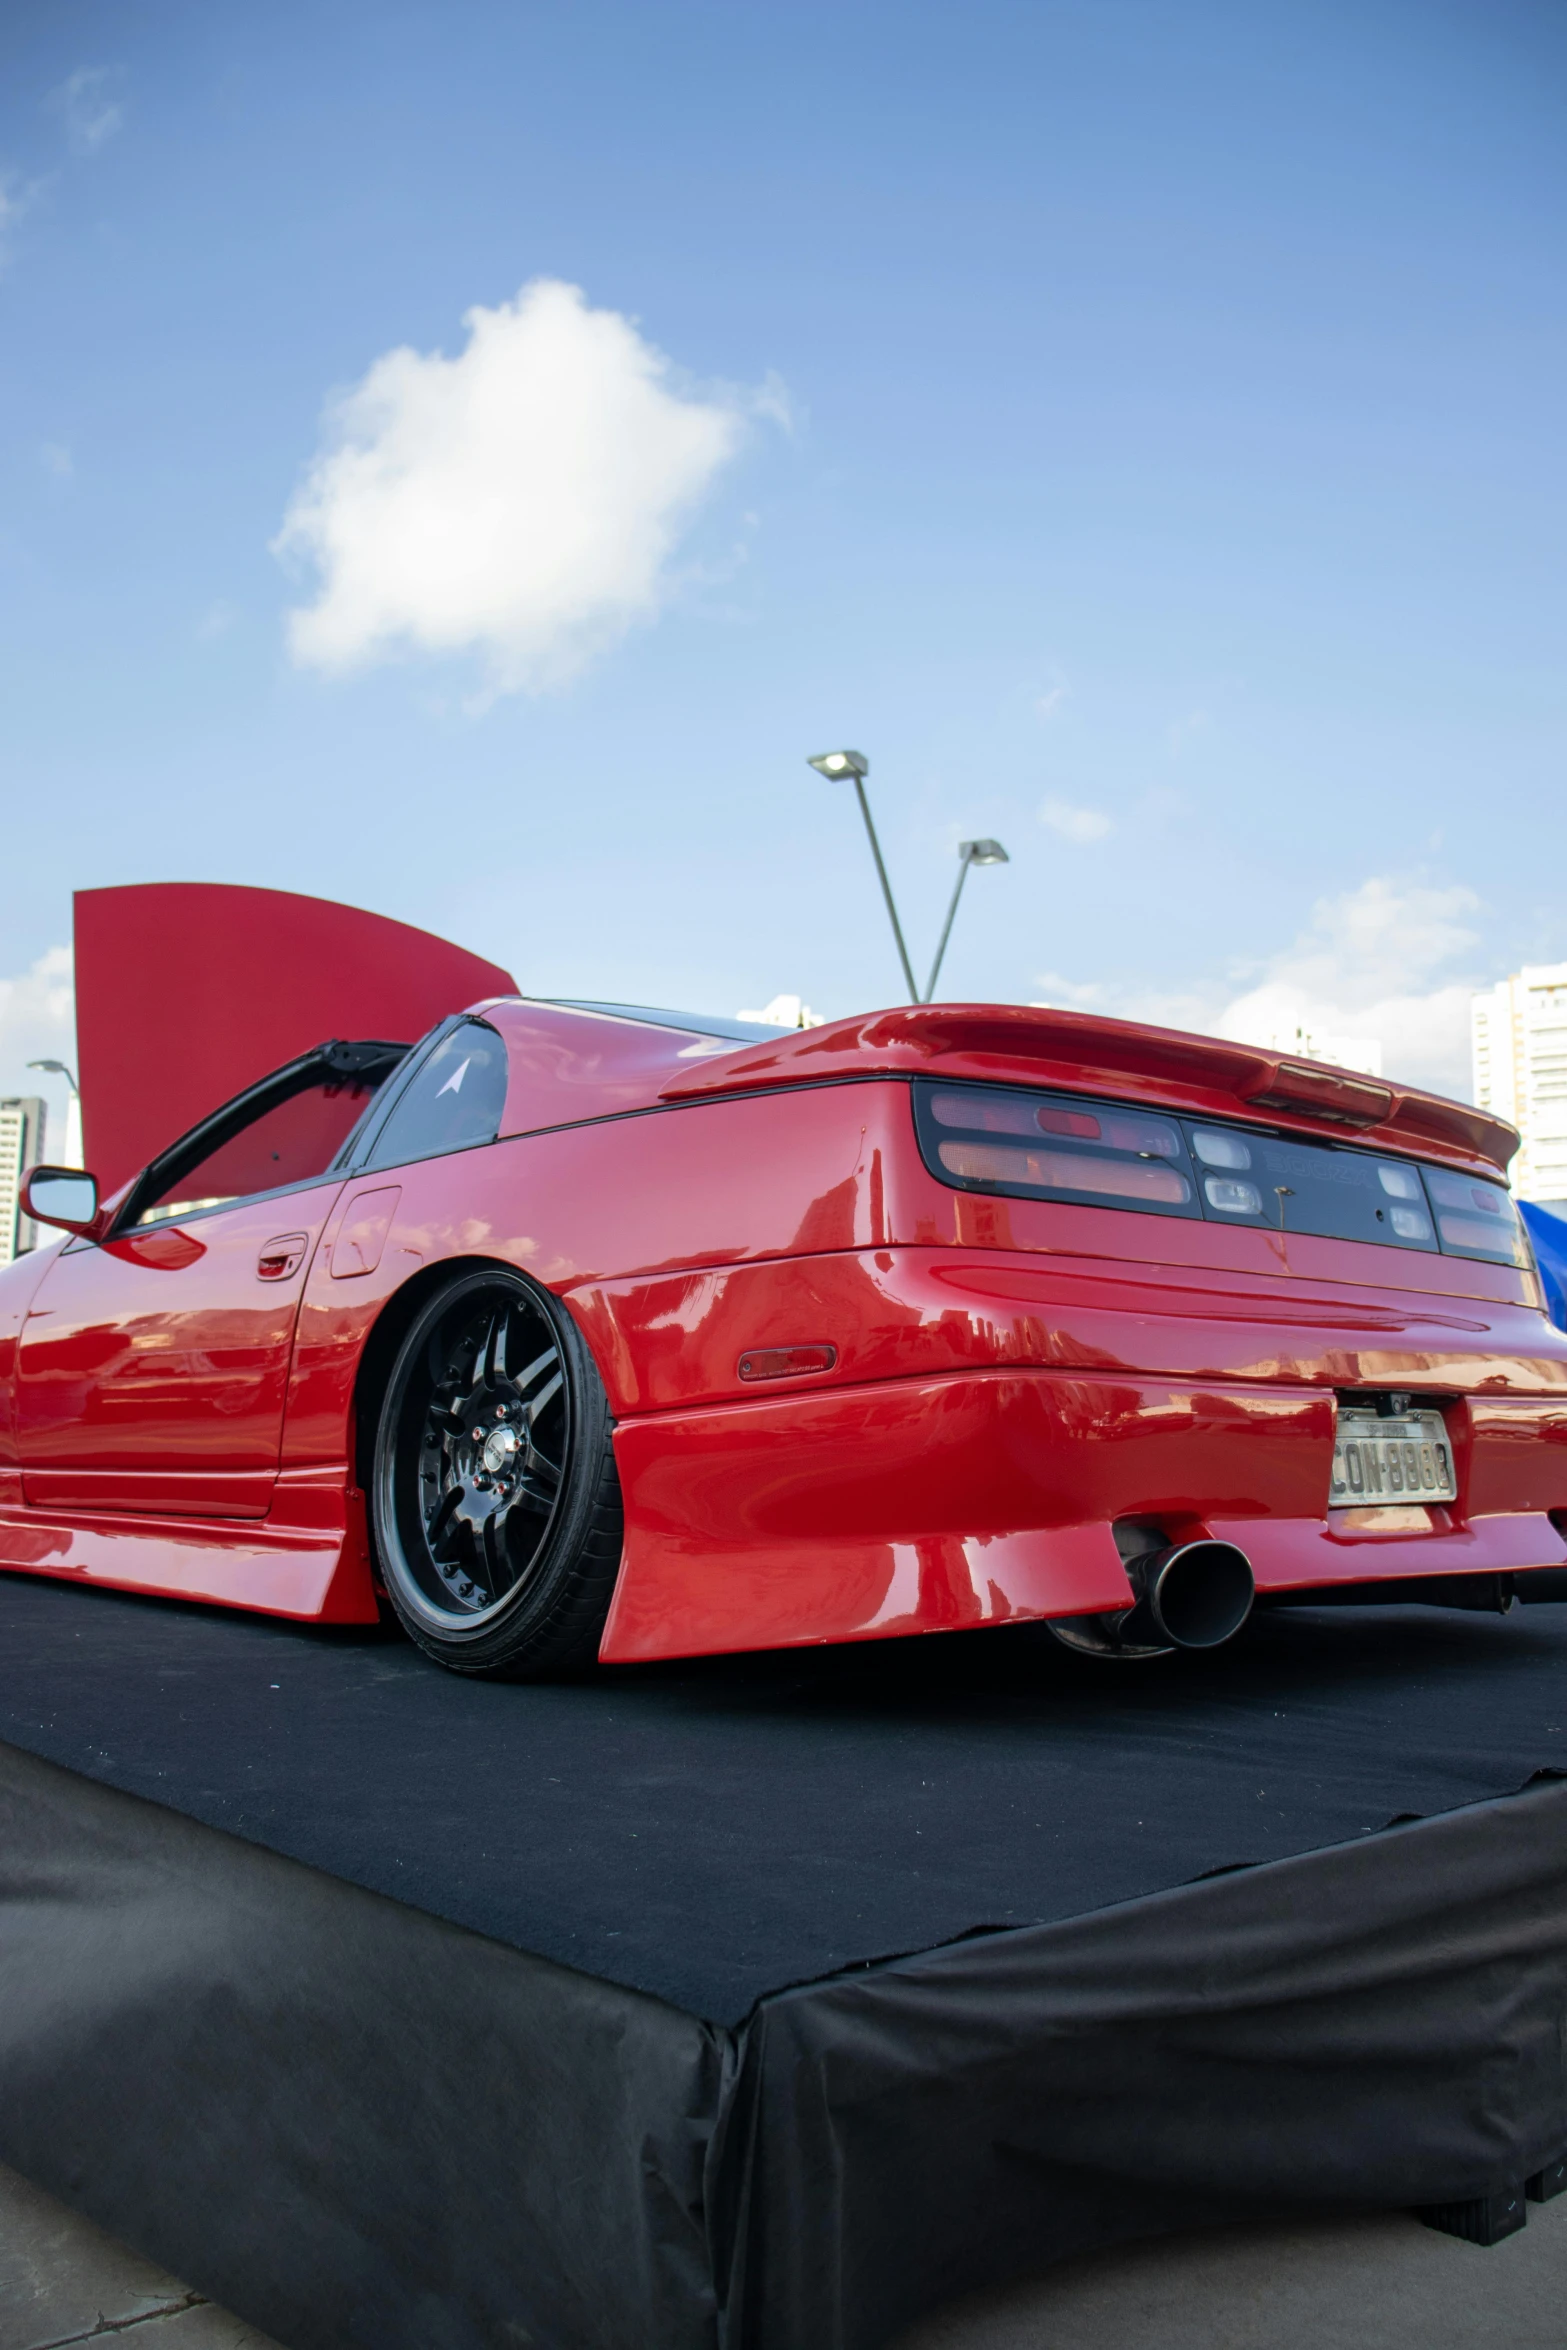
x: 1098, y: 1154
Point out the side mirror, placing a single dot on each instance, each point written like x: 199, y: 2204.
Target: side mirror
x: 61, y: 1195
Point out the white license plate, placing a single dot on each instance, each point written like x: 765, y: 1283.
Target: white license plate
x: 1376, y: 1460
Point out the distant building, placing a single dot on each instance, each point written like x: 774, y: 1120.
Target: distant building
x: 785, y: 1011
x: 21, y: 1147
x: 1519, y: 1031
x: 1284, y: 1035
x: 1316, y: 1044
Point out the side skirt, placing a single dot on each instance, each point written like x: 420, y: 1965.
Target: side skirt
x: 309, y: 1558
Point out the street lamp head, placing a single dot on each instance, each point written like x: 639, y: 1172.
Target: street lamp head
x: 55, y: 1069
x: 840, y: 763
x: 970, y: 852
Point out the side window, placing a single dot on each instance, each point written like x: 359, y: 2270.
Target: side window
x: 287, y: 1141
x: 453, y: 1101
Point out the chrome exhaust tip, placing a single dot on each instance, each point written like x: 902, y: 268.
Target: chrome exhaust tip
x: 1193, y: 1595
x: 1189, y: 1595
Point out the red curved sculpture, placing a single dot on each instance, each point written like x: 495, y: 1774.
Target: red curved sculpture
x: 188, y: 991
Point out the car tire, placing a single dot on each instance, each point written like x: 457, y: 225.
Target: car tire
x: 494, y: 1502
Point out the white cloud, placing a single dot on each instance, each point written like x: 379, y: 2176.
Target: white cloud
x: 1384, y: 962
x: 37, y: 1023
x: 1078, y: 995
x: 17, y: 198
x: 56, y: 458
x: 520, y: 501
x: 1049, y: 705
x: 1361, y: 969
x: 1080, y: 825
x: 91, y: 114
x: 217, y: 620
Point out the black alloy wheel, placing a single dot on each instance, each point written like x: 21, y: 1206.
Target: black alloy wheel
x: 494, y: 1499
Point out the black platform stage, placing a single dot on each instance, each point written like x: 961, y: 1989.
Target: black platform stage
x: 1077, y: 1951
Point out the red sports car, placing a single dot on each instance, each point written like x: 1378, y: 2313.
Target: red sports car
x: 584, y: 1330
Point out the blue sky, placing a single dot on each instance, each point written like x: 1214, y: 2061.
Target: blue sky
x: 1137, y: 427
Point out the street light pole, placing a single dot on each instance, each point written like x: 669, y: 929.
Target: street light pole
x: 970, y: 852
x: 73, y: 1108
x: 855, y: 764
x: 964, y: 863
x: 886, y: 891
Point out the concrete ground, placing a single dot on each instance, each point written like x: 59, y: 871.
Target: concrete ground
x: 1360, y: 2284
x: 63, y: 2281
x: 1384, y: 2283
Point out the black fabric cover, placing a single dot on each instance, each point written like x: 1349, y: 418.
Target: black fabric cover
x: 365, y: 2126
x: 711, y: 1831
x: 359, y: 2128
x: 365, y: 2129
x: 1382, y: 2024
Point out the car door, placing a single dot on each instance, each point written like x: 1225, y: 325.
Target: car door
x: 153, y: 1365
x: 448, y: 1100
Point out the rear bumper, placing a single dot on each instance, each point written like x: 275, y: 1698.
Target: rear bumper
x: 922, y: 1505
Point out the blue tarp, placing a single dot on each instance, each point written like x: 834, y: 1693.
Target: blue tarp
x: 1547, y: 1228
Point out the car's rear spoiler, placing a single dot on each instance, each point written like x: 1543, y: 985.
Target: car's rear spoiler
x: 1022, y: 1044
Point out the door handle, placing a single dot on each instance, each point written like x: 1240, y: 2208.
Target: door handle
x: 282, y: 1257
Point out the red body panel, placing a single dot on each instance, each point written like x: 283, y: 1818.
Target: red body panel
x: 311, y: 1559
x: 671, y: 1340
x: 565, y: 1065
x: 1006, y: 1377
x: 152, y: 1372
x: 927, y: 1505
x: 571, y: 1205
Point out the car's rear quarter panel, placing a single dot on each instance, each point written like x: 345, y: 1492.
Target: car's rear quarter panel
x: 645, y: 1198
